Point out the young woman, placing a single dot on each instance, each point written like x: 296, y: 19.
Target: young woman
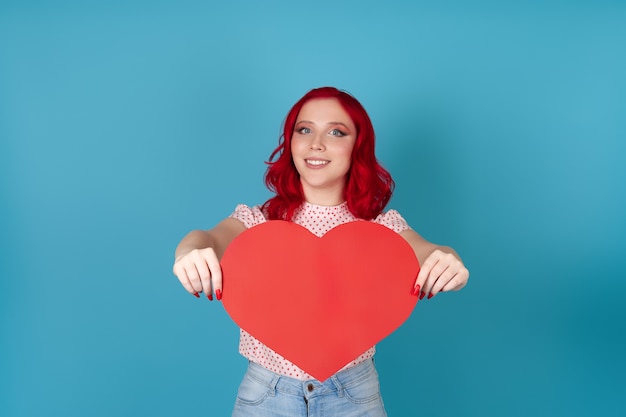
x: 324, y: 173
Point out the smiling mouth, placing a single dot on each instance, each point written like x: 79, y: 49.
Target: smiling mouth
x: 316, y: 162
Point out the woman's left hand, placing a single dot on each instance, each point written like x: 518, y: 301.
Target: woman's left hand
x: 441, y: 271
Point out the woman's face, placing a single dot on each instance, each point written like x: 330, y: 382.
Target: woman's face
x: 321, y: 148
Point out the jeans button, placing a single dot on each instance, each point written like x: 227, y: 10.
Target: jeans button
x: 310, y: 387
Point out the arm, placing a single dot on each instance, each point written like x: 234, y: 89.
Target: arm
x: 441, y: 268
x: 197, y: 263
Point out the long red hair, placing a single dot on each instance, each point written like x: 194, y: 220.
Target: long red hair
x: 368, y: 185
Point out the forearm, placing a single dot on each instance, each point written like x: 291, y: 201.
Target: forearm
x: 196, y: 239
x: 217, y: 238
x: 424, y: 248
x: 447, y: 249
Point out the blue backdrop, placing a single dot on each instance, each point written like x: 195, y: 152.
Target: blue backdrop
x: 125, y: 124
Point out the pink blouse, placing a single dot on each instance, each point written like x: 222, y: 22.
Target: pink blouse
x: 318, y: 220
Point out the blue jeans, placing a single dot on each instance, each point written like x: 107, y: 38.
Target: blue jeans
x: 349, y: 393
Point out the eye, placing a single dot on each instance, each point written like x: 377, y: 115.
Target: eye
x: 337, y: 132
x: 304, y: 130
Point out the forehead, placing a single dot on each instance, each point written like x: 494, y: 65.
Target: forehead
x: 324, y: 110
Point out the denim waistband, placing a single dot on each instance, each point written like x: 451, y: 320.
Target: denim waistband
x: 334, y: 384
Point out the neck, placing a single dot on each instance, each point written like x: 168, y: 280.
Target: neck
x: 324, y: 197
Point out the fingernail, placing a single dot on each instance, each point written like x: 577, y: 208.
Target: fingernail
x: 218, y: 294
x: 422, y: 295
x: 196, y: 295
x: 209, y: 296
x: 430, y: 295
x: 415, y: 290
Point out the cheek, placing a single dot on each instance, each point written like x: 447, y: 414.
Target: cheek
x: 296, y: 146
x: 296, y: 155
x: 347, y: 151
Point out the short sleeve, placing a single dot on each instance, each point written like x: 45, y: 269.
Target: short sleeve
x: 393, y: 220
x: 249, y: 216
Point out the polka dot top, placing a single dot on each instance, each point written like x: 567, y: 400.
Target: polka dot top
x: 318, y: 220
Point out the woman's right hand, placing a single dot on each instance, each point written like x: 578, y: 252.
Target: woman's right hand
x: 199, y: 271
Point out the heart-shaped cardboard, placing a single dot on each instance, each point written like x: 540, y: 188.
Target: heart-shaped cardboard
x: 319, y: 302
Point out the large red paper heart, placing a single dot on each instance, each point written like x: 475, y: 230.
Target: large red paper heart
x: 319, y: 302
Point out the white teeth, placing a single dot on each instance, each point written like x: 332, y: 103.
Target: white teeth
x: 316, y: 162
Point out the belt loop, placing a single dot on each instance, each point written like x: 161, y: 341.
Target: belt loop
x: 338, y: 385
x: 272, y: 385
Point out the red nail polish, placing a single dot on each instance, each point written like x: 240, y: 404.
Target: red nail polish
x: 415, y: 290
x: 210, y: 296
x: 422, y: 295
x: 430, y: 295
x: 218, y: 294
x: 196, y: 295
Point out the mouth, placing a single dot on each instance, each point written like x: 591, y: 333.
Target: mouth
x: 317, y: 162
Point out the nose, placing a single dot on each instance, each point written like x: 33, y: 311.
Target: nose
x: 317, y: 143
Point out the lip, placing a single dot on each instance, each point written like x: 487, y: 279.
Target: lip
x: 320, y: 161
x: 319, y: 165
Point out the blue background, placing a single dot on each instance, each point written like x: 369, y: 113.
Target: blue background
x: 125, y: 124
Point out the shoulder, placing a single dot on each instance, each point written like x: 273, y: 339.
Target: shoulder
x: 249, y: 216
x: 393, y: 220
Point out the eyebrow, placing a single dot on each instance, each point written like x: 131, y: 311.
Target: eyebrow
x: 328, y: 124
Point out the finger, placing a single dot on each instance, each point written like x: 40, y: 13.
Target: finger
x: 425, y: 269
x: 181, y: 274
x: 458, y: 281
x: 416, y: 288
x: 205, y: 278
x: 194, y: 276
x: 434, y: 274
x: 444, y: 279
x: 216, y: 276
x: 421, y: 280
x: 431, y: 286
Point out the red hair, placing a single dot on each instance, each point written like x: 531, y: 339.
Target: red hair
x: 368, y: 185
